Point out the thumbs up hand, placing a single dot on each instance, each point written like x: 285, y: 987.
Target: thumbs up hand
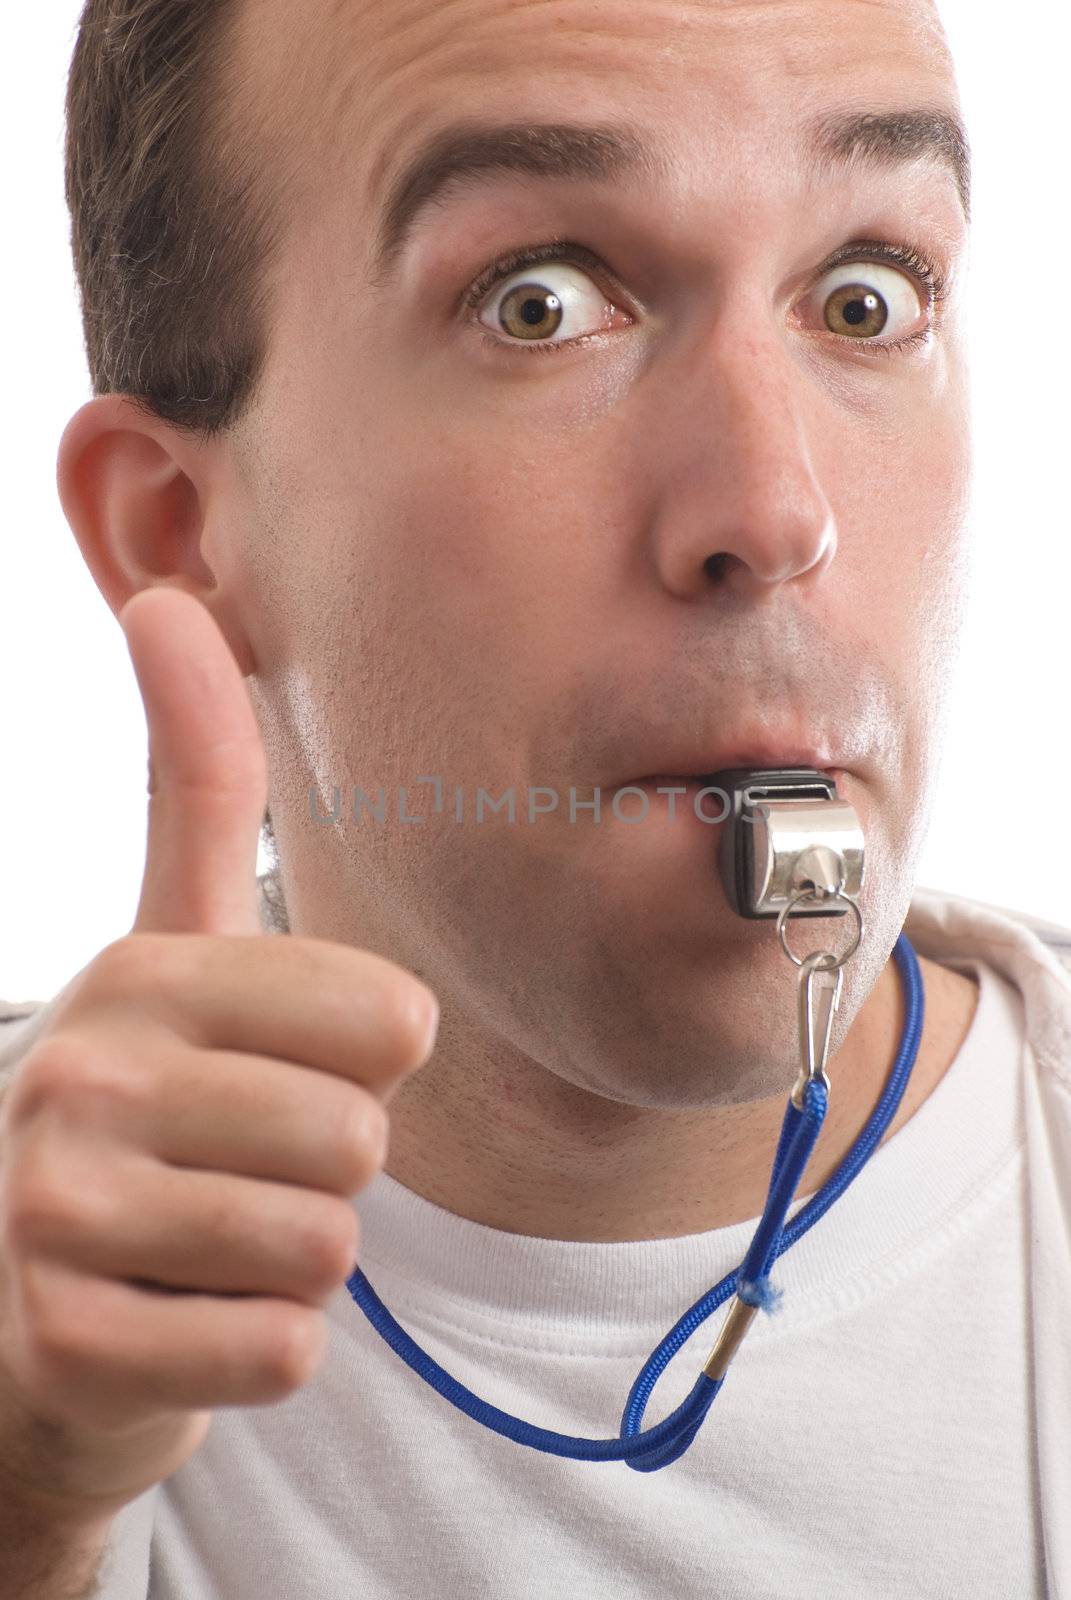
x: 180, y: 1148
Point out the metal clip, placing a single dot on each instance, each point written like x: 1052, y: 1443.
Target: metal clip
x: 738, y: 1320
x: 818, y: 995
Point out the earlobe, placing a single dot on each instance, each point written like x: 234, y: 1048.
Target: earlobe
x: 134, y: 489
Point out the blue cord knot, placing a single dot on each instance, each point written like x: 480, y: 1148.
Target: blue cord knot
x: 760, y: 1292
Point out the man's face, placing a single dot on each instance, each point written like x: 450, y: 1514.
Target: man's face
x: 694, y: 505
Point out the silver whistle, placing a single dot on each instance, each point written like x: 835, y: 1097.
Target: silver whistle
x: 787, y: 830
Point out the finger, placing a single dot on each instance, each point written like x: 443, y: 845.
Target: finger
x: 205, y: 1232
x: 112, y: 1349
x: 208, y: 770
x: 310, y: 1002
x: 258, y: 1118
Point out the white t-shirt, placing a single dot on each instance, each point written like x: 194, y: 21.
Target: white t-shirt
x: 900, y: 1427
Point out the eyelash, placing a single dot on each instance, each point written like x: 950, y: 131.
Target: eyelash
x: 924, y: 270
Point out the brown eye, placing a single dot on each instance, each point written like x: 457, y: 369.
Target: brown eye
x: 855, y: 309
x: 861, y: 299
x: 529, y: 311
x: 558, y: 303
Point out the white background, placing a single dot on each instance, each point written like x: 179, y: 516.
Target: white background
x: 73, y: 747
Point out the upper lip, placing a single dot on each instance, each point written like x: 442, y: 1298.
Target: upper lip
x: 766, y: 752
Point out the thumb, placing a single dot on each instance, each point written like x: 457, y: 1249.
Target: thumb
x: 208, y: 778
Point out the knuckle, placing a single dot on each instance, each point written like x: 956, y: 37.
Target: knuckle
x: 50, y: 1071
x: 128, y: 962
x: 54, y: 1333
x: 65, y: 1071
x: 29, y: 1212
x: 140, y: 962
x: 38, y: 1204
x: 47, y: 1209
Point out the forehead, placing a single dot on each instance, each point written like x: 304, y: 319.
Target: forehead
x: 723, y: 87
x: 373, y: 69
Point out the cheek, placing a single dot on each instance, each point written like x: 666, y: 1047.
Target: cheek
x: 927, y: 579
x: 934, y: 547
x: 900, y: 492
x: 496, y: 546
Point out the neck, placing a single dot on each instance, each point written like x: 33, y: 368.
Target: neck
x: 528, y: 1153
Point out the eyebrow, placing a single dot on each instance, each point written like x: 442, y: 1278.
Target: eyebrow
x: 465, y: 153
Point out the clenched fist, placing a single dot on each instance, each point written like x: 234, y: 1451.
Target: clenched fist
x: 180, y: 1149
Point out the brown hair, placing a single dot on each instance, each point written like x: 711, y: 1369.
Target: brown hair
x: 169, y: 243
x: 172, y: 234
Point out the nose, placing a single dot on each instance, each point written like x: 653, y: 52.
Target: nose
x: 742, y: 508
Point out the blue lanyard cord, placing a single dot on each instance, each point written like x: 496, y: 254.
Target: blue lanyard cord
x: 659, y: 1445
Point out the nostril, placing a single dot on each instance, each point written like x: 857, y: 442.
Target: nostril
x: 715, y: 566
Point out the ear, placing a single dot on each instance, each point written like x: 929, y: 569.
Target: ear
x: 142, y: 497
